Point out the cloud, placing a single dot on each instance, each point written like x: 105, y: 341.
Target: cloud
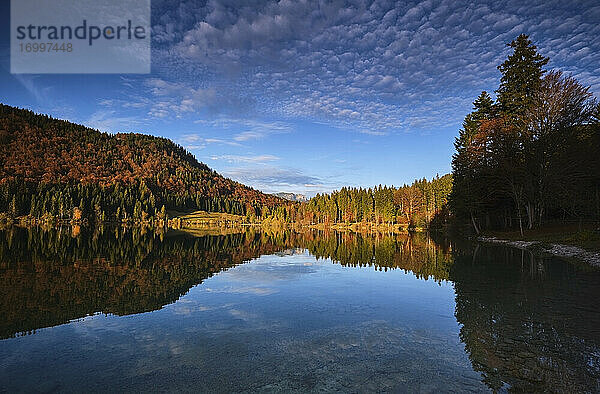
x: 185, y: 98
x: 374, y: 66
x: 28, y: 82
x: 193, y: 141
x: 245, y: 159
x: 252, y: 129
x: 272, y: 179
x: 178, y: 98
x: 255, y: 290
x: 110, y: 121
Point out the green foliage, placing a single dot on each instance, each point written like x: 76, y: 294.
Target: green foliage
x: 521, y: 76
x: 419, y: 204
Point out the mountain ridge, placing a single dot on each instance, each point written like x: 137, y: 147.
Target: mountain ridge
x: 40, y: 155
x: 296, y: 197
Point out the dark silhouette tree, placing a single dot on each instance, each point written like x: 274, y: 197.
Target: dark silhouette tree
x: 521, y: 77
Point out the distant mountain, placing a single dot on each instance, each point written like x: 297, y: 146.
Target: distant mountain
x: 292, y: 196
x: 51, y: 166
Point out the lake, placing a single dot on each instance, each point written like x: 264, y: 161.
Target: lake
x: 110, y: 309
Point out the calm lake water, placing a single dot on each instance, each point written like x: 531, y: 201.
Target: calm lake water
x: 127, y: 310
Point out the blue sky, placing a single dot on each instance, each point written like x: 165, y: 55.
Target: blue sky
x: 308, y: 96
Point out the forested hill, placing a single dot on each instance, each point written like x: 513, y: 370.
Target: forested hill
x: 58, y: 168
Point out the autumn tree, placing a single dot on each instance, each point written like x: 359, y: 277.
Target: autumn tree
x: 555, y: 124
x: 521, y: 77
x: 532, y: 155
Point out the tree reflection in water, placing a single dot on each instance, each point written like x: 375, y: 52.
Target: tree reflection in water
x: 52, y: 277
x: 527, y: 323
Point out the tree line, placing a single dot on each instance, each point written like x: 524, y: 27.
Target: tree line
x: 421, y: 204
x: 531, y: 156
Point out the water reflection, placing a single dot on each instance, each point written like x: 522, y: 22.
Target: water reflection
x: 528, y: 323
x: 525, y: 323
x: 52, y: 277
x: 417, y: 254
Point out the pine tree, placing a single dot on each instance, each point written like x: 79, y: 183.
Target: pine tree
x: 483, y: 107
x: 521, y: 77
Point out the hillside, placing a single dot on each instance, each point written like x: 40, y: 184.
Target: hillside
x: 53, y: 167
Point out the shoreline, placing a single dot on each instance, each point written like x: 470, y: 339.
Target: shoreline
x: 554, y: 249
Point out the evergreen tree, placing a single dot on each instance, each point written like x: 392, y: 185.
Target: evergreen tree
x: 521, y: 77
x: 532, y: 156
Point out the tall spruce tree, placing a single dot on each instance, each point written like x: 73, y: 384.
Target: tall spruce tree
x: 521, y: 77
x: 467, y: 194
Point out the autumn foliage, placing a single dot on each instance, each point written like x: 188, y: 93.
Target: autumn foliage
x: 51, y: 166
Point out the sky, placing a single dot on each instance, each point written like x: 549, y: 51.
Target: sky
x: 309, y: 96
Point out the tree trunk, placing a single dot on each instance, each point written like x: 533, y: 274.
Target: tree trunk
x: 521, y: 225
x: 474, y: 224
x: 475, y: 254
x: 597, y: 203
x: 530, y: 215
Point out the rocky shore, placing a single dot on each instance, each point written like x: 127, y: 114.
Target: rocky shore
x: 559, y: 250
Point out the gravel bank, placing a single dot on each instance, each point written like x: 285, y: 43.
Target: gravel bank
x: 559, y: 250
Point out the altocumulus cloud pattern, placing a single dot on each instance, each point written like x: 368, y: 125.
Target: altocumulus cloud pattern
x: 374, y: 66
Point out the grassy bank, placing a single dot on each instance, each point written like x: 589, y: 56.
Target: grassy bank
x: 201, y: 219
